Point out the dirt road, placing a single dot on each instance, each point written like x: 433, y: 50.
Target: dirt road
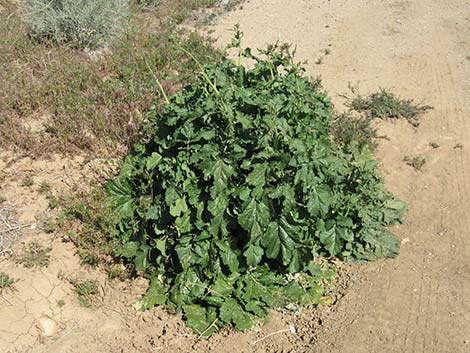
x: 421, y: 49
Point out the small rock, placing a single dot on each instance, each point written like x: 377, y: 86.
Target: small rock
x: 47, y: 326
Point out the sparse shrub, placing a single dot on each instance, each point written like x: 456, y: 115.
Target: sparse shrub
x: 76, y: 23
x: 386, y: 105
x: 416, y: 162
x: 34, y: 255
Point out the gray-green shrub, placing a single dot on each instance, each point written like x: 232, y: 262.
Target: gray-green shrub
x: 76, y: 23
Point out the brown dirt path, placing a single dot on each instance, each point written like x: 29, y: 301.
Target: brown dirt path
x: 420, y: 49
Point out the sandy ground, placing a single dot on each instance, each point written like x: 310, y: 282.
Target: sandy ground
x: 418, y: 302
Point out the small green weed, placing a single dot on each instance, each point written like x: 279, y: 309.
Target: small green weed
x: 50, y: 225
x: 44, y: 188
x: 386, y: 105
x: 90, y: 257
x: 2, y: 199
x: 86, y: 291
x: 118, y: 272
x: 34, y: 255
x: 416, y: 162
x: 5, y: 281
x: 94, y: 222
x: 61, y: 303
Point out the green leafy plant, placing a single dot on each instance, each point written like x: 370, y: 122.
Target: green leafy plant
x: 76, y: 23
x: 44, y: 188
x: 5, y: 281
x: 230, y: 204
x: 386, y: 105
x: 34, y: 255
x: 86, y: 291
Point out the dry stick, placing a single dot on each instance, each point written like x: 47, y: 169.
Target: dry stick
x: 291, y: 329
x: 17, y: 227
x: 207, y: 329
x: 5, y: 299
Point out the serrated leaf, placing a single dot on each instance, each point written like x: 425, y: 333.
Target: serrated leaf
x: 201, y: 320
x: 232, y: 312
x: 219, y: 171
x: 254, y: 218
x: 332, y: 240
x: 253, y: 255
x: 257, y: 175
x: 281, y: 241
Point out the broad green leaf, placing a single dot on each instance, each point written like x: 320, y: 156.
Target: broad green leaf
x: 120, y: 196
x: 179, y: 207
x: 130, y: 249
x: 228, y: 256
x: 219, y: 171
x: 253, y: 255
x: 232, y: 312
x: 153, y: 161
x: 331, y: 239
x: 254, y: 218
x: 203, y: 321
x: 320, y: 199
x: 156, y: 295
x: 141, y: 258
x: 281, y: 241
x: 257, y: 175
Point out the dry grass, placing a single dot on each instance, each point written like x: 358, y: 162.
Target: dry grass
x: 55, y: 99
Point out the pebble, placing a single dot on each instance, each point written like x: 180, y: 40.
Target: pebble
x: 48, y: 326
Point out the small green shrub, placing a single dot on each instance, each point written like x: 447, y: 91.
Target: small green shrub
x: 34, y: 255
x: 5, y: 281
x: 76, y: 23
x: 230, y: 204
x: 86, y: 291
x: 386, y: 105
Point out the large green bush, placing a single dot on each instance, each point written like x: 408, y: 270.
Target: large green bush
x: 229, y: 205
x: 76, y: 23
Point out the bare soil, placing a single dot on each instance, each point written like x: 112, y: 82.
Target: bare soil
x: 418, y: 302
